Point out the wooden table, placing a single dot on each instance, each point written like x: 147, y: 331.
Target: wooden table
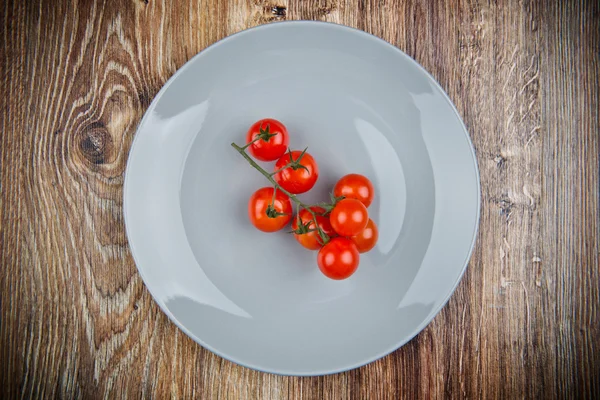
x: 77, y: 321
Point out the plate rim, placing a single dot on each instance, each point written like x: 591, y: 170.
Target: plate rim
x: 435, y: 311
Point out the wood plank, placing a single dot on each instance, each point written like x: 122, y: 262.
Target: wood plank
x: 76, y: 319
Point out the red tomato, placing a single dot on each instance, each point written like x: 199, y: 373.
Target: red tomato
x: 273, y: 139
x: 367, y: 239
x: 297, y: 179
x: 349, y: 217
x: 312, y: 240
x: 338, y: 259
x: 355, y: 186
x: 268, y: 215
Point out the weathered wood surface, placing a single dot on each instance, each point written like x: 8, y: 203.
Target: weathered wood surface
x: 76, y: 319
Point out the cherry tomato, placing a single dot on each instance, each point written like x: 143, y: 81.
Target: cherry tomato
x: 273, y: 141
x: 296, y: 179
x: 367, y: 239
x: 268, y: 215
x: 349, y: 217
x: 312, y: 240
x: 355, y: 186
x: 338, y: 259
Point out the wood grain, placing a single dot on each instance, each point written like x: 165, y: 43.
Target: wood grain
x: 76, y: 319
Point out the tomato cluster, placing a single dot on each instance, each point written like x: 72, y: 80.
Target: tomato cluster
x: 339, y: 230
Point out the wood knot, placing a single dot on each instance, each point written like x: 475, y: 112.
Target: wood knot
x: 268, y: 11
x: 500, y: 160
x: 326, y: 10
x: 506, y: 205
x: 279, y: 11
x: 96, y: 144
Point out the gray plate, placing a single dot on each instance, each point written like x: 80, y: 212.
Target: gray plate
x: 360, y: 105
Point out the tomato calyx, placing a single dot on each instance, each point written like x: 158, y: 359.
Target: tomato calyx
x: 293, y: 164
x: 273, y: 213
x: 328, y: 207
x: 265, y: 134
x: 305, y: 228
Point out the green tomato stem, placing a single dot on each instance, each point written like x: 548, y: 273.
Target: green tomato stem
x: 256, y: 139
x: 280, y: 169
x: 299, y: 203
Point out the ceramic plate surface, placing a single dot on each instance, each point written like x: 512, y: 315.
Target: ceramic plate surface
x: 360, y: 105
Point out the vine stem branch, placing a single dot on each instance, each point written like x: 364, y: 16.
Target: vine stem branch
x: 293, y: 197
